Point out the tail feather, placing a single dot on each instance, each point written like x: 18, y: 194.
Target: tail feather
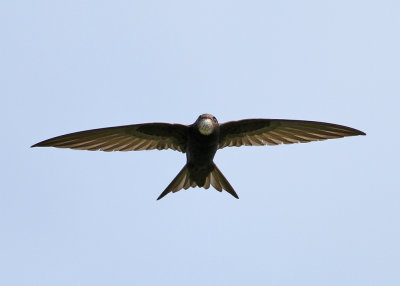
x: 181, y: 181
x: 219, y: 182
x: 214, y: 178
x: 207, y: 183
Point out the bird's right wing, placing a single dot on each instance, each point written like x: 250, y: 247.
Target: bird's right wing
x: 257, y: 132
x: 136, y: 137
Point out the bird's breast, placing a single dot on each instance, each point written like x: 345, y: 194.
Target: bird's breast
x: 201, y: 151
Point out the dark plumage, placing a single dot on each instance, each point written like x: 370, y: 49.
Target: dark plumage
x: 200, y: 141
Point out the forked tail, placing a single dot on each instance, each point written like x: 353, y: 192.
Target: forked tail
x: 214, y: 178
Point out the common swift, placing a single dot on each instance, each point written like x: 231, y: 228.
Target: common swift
x: 200, y: 141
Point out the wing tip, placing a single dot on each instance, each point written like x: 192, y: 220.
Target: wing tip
x: 357, y: 132
x: 45, y: 143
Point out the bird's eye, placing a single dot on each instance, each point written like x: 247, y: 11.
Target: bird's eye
x: 215, y: 119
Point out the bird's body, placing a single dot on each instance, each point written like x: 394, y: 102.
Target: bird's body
x: 200, y: 141
x: 200, y: 154
x: 200, y: 148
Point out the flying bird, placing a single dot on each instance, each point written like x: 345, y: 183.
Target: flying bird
x: 200, y: 141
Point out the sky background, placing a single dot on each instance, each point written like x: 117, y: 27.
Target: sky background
x: 322, y: 213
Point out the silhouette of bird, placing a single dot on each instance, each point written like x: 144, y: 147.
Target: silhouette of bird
x: 200, y: 141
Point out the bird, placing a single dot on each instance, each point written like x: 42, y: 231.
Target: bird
x: 200, y: 141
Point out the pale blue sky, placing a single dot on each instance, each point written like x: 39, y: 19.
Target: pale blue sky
x: 323, y: 213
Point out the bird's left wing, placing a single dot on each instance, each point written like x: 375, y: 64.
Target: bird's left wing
x: 257, y: 132
x: 136, y: 137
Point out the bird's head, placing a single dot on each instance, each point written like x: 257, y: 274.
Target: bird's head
x: 206, y: 124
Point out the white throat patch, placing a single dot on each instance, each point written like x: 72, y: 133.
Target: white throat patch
x: 206, y: 126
